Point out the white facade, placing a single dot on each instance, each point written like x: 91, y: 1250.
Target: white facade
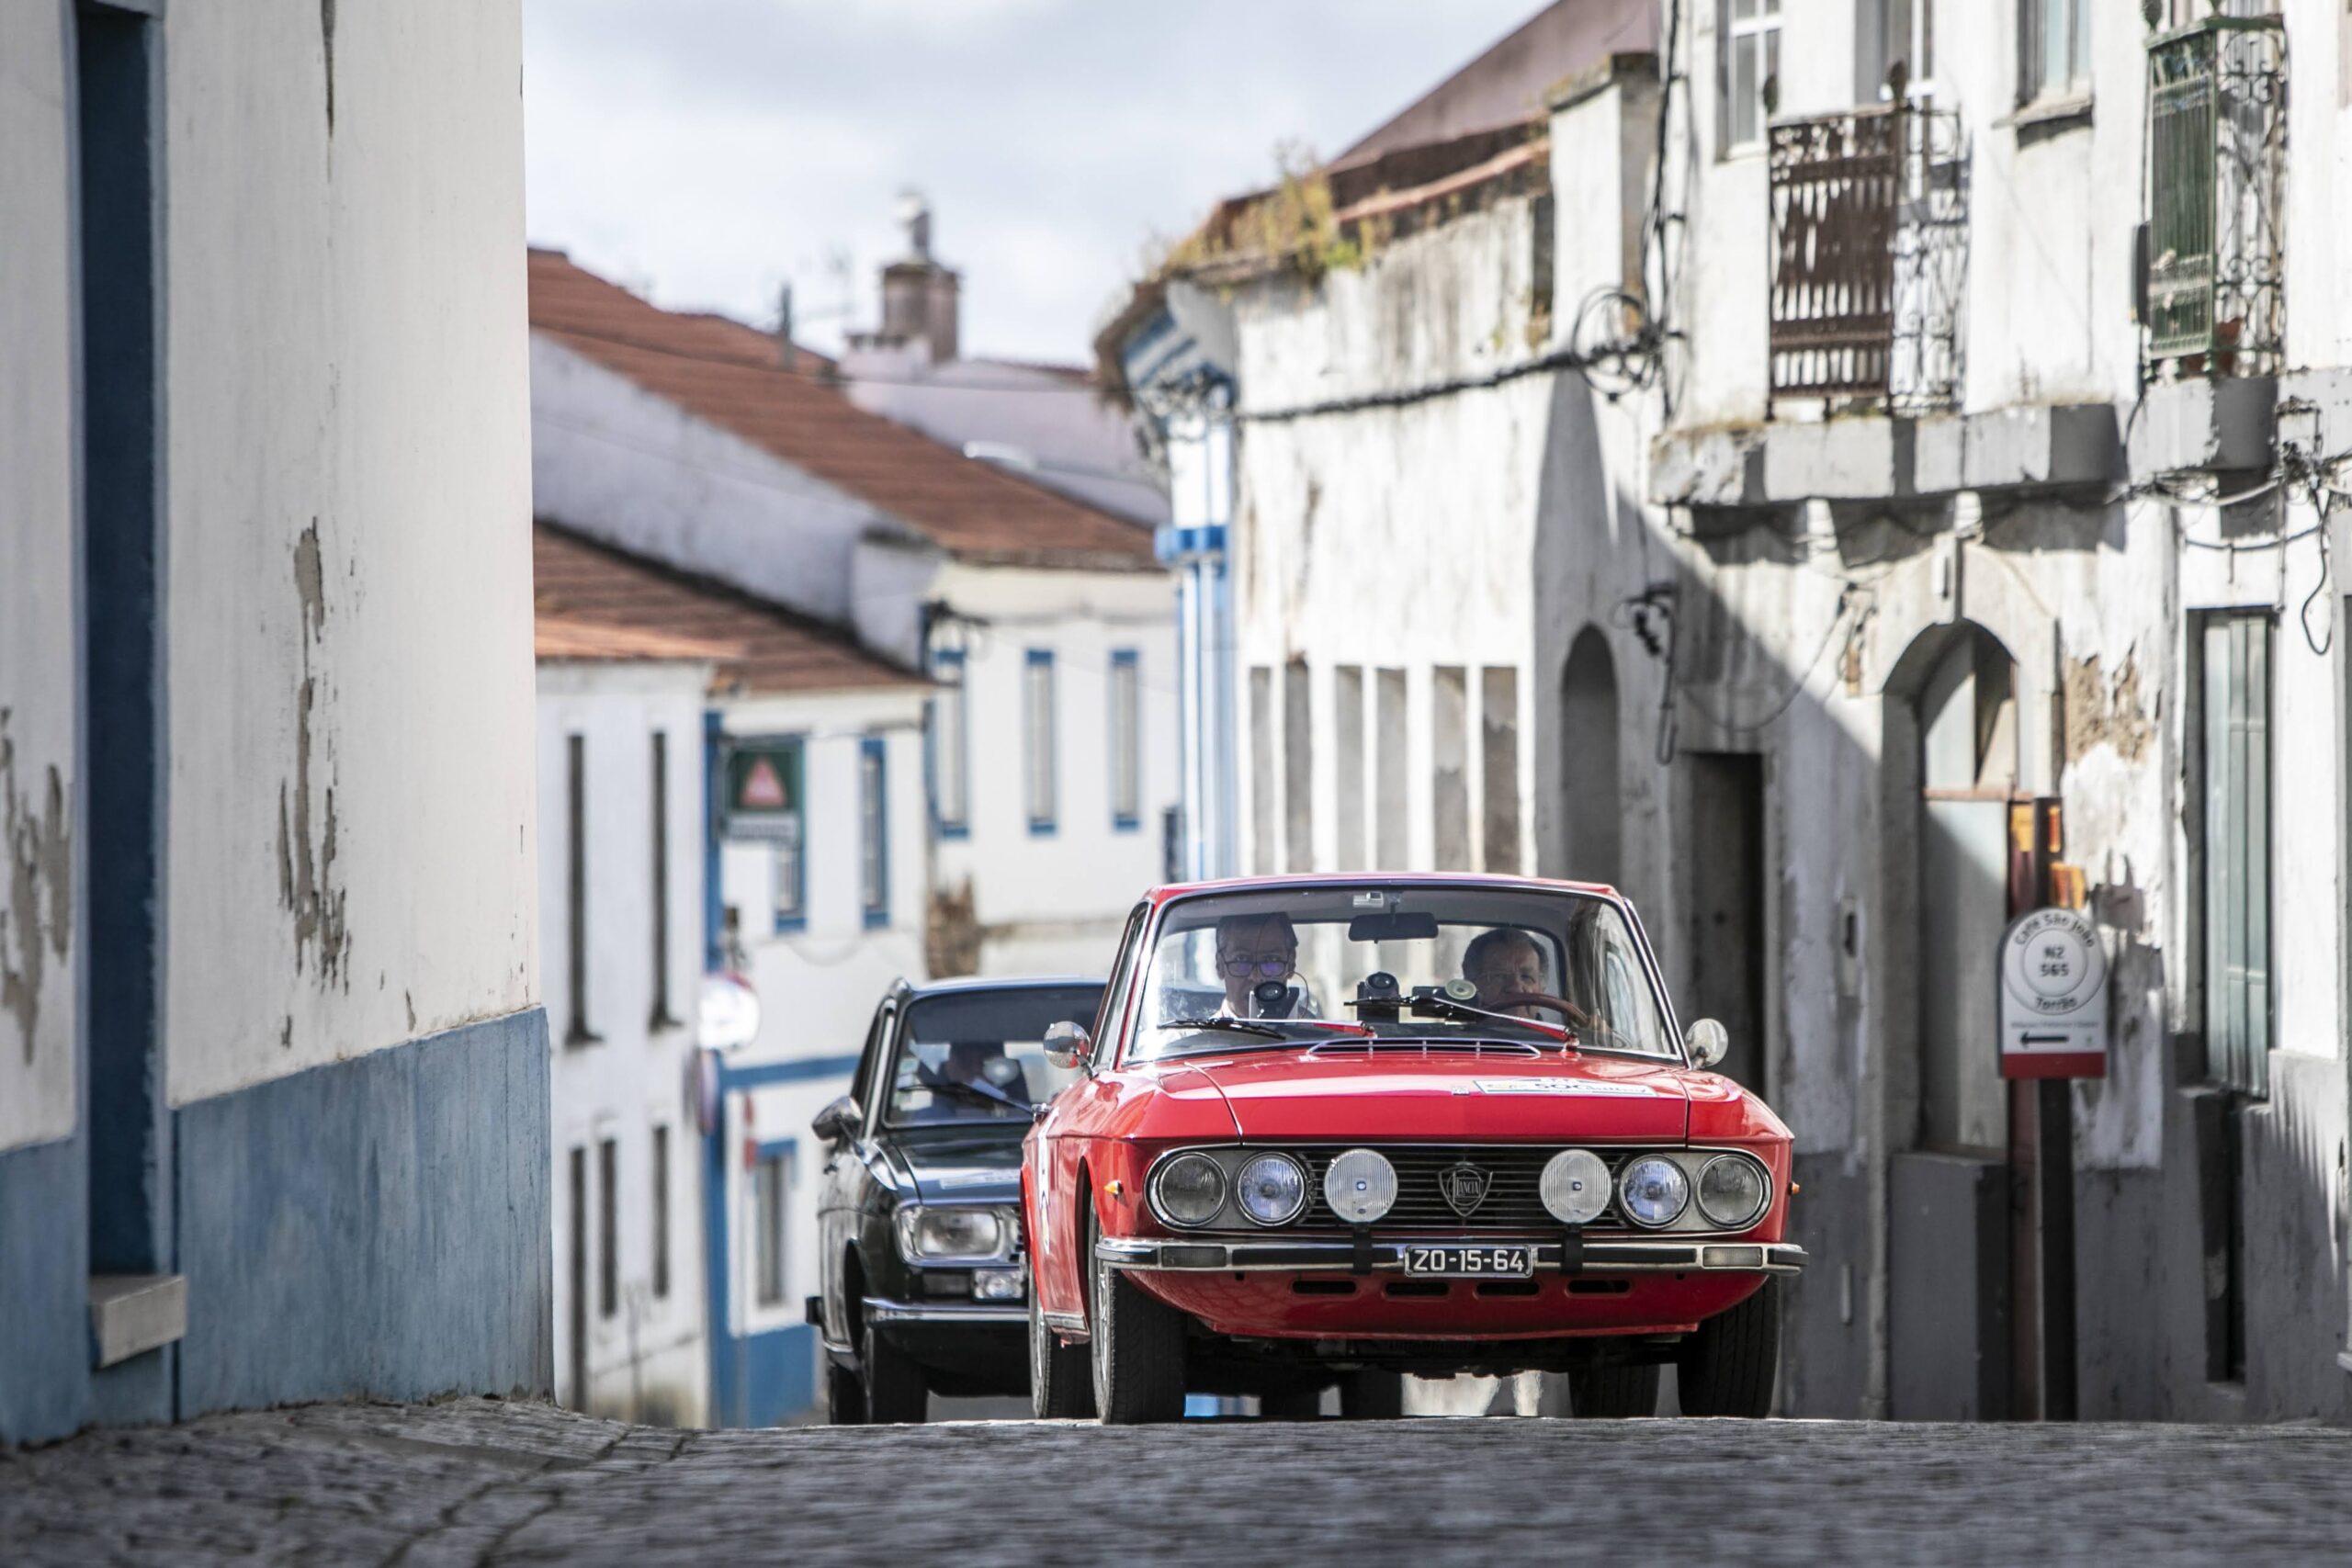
x: 1601, y: 624
x: 627, y: 1171
x: 1050, y: 865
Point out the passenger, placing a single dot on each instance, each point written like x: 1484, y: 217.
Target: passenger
x: 1252, y: 949
x: 973, y: 1064
x: 1501, y: 963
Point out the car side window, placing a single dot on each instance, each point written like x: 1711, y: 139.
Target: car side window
x: 1113, y: 1010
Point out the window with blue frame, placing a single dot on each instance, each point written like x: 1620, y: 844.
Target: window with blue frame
x: 873, y: 830
x: 950, y: 750
x: 1126, y: 740
x: 1037, y: 740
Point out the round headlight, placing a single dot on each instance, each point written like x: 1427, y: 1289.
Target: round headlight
x: 1654, y: 1191
x: 1360, y: 1186
x: 1271, y: 1189
x: 1576, y: 1187
x: 1188, y: 1190
x: 1732, y: 1191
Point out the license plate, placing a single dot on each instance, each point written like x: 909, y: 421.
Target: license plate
x: 1471, y: 1262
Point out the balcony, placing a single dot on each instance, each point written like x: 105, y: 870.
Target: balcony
x: 2213, y: 297
x: 1870, y: 255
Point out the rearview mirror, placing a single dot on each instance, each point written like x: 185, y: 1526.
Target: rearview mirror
x: 839, y: 1121
x: 1418, y: 926
x: 1068, y: 1045
x: 1709, y: 1042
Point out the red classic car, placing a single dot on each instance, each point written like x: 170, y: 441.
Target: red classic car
x: 1331, y: 1130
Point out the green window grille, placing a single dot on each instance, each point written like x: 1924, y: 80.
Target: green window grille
x: 2216, y: 161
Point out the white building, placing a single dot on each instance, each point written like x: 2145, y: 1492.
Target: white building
x: 1814, y: 536
x: 273, y: 1109
x: 1051, y: 761
x: 621, y: 787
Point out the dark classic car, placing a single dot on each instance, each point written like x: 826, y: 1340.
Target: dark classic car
x: 925, y: 1280
x: 1334, y: 1129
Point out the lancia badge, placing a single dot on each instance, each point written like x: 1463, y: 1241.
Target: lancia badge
x: 1463, y: 1187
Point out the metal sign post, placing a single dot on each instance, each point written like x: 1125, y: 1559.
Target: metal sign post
x: 2053, y: 998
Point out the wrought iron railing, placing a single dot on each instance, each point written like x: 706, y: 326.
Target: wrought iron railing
x: 2217, y: 155
x: 1869, y: 255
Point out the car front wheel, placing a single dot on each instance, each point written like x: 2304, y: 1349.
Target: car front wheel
x: 1727, y: 1368
x: 1061, y: 1386
x: 1138, y: 1344
x: 1612, y: 1393
x: 1371, y: 1395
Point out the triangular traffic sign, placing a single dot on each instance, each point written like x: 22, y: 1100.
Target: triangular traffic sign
x: 762, y: 789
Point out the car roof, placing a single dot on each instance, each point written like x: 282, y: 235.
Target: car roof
x: 966, y: 985
x: 1357, y: 878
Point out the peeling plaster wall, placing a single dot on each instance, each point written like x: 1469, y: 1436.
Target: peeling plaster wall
x: 349, y: 832
x: 39, y: 663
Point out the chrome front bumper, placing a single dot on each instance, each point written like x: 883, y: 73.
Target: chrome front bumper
x: 879, y: 1310
x: 1326, y: 1256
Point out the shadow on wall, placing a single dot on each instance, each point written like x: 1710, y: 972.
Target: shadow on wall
x: 1873, y: 1053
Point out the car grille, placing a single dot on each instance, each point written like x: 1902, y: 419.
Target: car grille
x: 1513, y: 1202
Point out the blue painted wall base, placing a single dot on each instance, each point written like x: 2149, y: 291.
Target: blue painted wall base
x: 374, y: 1227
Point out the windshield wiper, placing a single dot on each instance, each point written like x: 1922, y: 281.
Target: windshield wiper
x: 981, y: 1092
x: 1241, y: 1025
x: 1437, y: 1005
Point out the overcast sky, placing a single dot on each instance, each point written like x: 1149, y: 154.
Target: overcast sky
x: 705, y: 151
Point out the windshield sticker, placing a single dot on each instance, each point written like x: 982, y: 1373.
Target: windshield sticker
x: 977, y: 1178
x: 1568, y: 1086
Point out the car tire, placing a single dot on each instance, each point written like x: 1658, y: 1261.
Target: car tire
x: 1727, y: 1368
x: 1612, y: 1393
x: 1061, y: 1380
x: 1371, y: 1396
x: 895, y: 1394
x: 1136, y: 1345
x: 844, y: 1396
x: 1292, y: 1403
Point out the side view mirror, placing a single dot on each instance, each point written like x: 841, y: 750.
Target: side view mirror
x: 1068, y: 1045
x: 1709, y: 1042
x: 839, y: 1121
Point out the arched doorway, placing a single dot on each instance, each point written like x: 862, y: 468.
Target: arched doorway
x: 1950, y: 763
x: 1591, y: 806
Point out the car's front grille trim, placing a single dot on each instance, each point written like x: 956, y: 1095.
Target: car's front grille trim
x: 1513, y: 1202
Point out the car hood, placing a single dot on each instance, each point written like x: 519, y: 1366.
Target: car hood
x: 961, y: 1166
x: 1449, y: 1095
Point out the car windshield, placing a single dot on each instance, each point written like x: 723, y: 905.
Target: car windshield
x: 978, y: 1056
x: 1268, y: 967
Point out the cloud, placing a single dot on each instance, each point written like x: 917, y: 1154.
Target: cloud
x: 710, y: 150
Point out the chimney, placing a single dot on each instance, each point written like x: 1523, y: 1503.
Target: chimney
x: 919, y: 294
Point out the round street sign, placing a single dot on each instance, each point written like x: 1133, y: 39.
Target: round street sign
x: 2054, y: 997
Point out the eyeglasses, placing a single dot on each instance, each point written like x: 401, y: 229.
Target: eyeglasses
x: 1272, y: 966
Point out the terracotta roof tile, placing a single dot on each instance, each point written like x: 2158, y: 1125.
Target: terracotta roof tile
x: 594, y: 602
x: 727, y: 373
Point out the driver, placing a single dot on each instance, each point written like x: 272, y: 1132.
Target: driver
x: 982, y: 1064
x: 1250, y: 951
x: 1501, y: 963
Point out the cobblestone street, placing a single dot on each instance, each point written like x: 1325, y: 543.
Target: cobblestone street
x: 475, y: 1481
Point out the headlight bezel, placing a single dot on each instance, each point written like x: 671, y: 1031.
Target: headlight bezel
x: 1272, y: 1157
x: 1763, y: 1188
x: 1623, y: 1191
x: 908, y: 1227
x: 1159, y: 1209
